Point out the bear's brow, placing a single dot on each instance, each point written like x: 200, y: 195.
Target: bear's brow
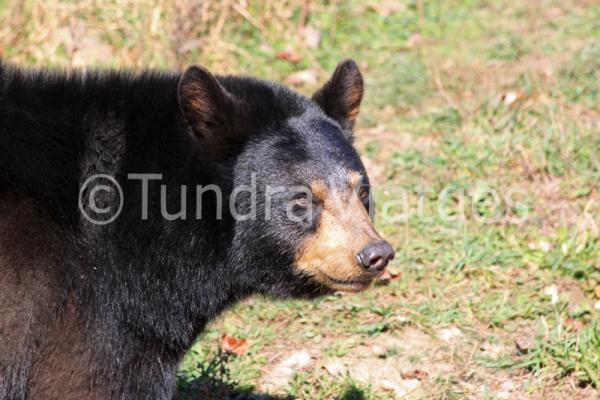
x: 319, y: 189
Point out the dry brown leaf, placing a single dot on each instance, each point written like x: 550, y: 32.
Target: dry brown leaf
x: 389, y: 275
x: 574, y: 324
x: 289, y: 54
x: 230, y: 344
x: 414, y: 374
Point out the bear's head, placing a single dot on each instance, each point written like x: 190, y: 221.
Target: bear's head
x: 303, y: 209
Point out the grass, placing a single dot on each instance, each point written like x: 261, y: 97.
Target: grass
x: 468, y: 96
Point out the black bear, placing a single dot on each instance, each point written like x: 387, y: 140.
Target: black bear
x: 110, y: 261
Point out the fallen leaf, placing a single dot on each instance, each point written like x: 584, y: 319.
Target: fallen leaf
x: 574, y: 324
x: 414, y: 374
x: 230, y: 344
x: 389, y: 275
x: 394, y: 273
x: 289, y: 55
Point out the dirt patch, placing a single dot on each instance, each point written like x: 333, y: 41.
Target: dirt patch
x: 401, y: 362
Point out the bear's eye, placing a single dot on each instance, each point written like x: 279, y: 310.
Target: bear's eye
x: 304, y: 210
x: 363, y: 194
x: 302, y: 201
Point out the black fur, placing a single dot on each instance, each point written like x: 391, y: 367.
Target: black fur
x: 131, y: 296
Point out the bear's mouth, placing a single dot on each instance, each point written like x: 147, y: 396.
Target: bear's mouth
x: 348, y: 284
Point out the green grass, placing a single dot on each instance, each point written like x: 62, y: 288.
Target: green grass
x: 468, y: 96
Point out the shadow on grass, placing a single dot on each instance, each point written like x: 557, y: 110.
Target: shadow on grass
x: 353, y: 393
x: 213, y: 389
x: 211, y: 380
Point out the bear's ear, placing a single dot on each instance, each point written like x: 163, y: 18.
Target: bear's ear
x: 341, y: 95
x: 208, y: 107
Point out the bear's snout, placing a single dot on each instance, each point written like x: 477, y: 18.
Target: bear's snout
x: 375, y: 256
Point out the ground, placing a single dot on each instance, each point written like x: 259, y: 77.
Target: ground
x: 468, y: 96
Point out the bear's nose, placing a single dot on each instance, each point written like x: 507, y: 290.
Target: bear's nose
x: 375, y: 256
